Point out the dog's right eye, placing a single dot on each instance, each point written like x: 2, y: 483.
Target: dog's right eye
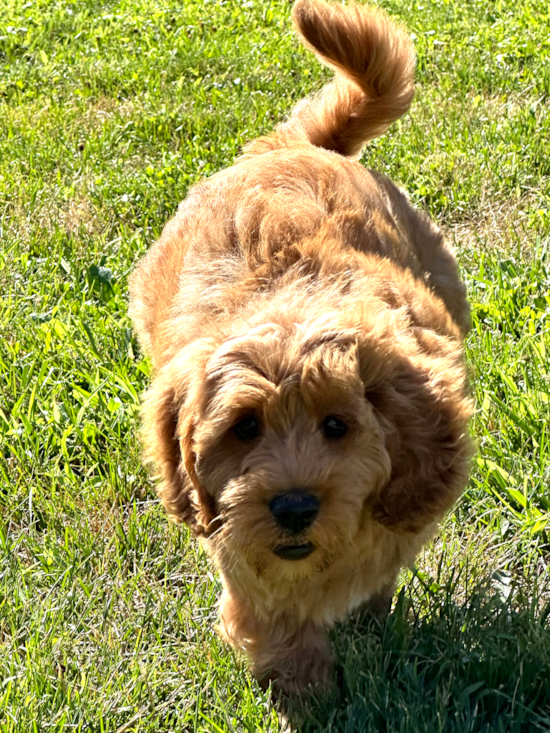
x: 247, y: 429
x: 334, y: 428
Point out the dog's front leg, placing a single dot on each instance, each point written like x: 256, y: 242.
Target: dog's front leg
x: 290, y: 654
x: 293, y: 657
x: 379, y: 605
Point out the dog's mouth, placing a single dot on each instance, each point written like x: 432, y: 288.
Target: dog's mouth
x: 294, y: 552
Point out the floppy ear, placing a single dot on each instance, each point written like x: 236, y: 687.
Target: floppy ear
x: 423, y: 407
x: 169, y: 413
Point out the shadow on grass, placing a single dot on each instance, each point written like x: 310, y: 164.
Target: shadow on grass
x: 481, y: 663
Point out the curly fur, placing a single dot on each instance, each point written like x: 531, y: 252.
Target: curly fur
x: 292, y: 286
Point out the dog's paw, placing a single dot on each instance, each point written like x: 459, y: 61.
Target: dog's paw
x: 308, y: 668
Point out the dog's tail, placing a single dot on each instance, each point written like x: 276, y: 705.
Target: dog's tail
x: 374, y: 61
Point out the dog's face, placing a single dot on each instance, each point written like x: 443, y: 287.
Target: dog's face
x: 288, y: 447
x: 281, y: 443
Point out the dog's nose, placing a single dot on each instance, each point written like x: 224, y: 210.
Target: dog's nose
x: 294, y: 510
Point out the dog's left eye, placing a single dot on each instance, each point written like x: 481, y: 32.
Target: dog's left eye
x: 247, y: 429
x: 334, y: 428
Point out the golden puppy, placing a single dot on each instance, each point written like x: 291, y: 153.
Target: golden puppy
x: 309, y: 407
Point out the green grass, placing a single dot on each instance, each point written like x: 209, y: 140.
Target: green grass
x: 109, y: 111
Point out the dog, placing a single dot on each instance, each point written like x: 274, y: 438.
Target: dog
x: 308, y: 413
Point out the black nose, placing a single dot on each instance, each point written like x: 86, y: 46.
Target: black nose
x: 295, y: 510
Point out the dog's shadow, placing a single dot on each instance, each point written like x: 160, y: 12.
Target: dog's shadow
x: 479, y: 663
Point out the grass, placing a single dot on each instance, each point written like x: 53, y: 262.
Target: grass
x: 109, y: 111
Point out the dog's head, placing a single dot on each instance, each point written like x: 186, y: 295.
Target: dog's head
x: 282, y: 442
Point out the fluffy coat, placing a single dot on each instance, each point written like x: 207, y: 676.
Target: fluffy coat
x: 289, y: 290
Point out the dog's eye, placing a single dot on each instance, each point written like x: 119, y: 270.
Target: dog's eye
x: 247, y: 429
x: 334, y: 428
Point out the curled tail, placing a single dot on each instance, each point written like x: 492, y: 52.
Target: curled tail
x: 374, y: 62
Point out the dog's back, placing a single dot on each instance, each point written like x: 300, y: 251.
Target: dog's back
x: 298, y: 185
x: 374, y: 61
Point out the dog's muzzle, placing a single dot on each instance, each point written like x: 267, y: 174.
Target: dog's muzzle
x: 294, y: 511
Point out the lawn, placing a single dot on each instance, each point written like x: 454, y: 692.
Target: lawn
x: 109, y: 111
